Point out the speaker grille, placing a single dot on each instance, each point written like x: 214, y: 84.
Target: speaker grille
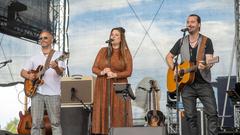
x: 82, y: 89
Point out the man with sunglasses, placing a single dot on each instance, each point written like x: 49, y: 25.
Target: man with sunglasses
x: 47, y: 94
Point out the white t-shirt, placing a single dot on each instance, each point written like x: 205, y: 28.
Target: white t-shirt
x: 51, y: 85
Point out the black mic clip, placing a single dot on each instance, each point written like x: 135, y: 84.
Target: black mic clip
x: 5, y: 62
x: 184, y: 29
x: 109, y: 41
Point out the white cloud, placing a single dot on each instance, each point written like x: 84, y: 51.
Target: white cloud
x: 78, y: 7
x: 213, y: 4
x: 85, y: 44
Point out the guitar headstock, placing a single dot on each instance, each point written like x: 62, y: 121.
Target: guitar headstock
x: 153, y: 84
x: 64, y: 56
x: 213, y: 60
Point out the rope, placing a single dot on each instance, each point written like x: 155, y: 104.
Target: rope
x: 146, y: 30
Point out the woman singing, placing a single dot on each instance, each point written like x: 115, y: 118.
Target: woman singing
x: 114, y: 68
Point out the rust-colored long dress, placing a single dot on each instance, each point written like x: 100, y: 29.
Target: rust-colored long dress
x: 100, y: 105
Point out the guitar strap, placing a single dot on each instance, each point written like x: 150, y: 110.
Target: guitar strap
x: 201, y: 50
x: 47, y: 62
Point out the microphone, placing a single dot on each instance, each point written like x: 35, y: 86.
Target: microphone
x: 109, y: 41
x: 5, y: 62
x: 184, y: 29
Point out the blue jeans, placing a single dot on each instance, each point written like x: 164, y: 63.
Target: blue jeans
x: 205, y: 93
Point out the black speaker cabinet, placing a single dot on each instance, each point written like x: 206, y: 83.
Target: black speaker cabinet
x: 74, y: 121
x: 74, y: 89
x: 138, y: 131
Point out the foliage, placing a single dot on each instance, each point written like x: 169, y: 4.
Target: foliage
x: 12, y: 125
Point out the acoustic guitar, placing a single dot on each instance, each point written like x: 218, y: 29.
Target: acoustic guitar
x: 186, y: 74
x: 25, y: 122
x: 30, y: 86
x: 155, y: 117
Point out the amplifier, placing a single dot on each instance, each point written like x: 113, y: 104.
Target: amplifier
x: 77, y: 89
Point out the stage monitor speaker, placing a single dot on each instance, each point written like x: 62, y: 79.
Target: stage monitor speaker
x: 75, y: 121
x: 74, y: 89
x: 138, y: 131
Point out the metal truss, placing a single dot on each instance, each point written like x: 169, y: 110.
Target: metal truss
x: 59, y: 9
x: 172, y: 120
x: 237, y: 38
x: 236, y: 112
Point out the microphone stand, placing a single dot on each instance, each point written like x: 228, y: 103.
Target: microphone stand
x: 177, y: 84
x: 3, y: 64
x: 73, y: 96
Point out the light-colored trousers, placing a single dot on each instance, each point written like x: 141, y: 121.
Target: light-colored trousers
x: 53, y: 107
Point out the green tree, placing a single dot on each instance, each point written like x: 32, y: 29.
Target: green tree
x: 12, y: 125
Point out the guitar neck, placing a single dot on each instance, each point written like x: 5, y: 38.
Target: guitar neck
x: 46, y: 68
x: 25, y: 104
x: 41, y: 72
x: 191, y: 69
x: 154, y: 102
x: 157, y: 98
x: 153, y: 87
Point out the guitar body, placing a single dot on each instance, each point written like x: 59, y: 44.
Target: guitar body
x: 30, y: 86
x: 186, y: 78
x: 154, y: 117
x: 25, y: 123
x: 155, y: 120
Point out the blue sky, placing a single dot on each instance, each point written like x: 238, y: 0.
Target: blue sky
x: 90, y: 25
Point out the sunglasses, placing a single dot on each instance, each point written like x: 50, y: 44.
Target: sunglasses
x: 43, y: 38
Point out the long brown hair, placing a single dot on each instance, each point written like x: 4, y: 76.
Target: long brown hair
x: 123, y: 45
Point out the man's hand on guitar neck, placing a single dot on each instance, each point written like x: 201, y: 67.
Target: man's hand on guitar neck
x: 54, y: 65
x: 202, y: 65
x: 208, y: 63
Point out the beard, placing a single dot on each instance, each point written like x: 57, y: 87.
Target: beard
x: 44, y: 46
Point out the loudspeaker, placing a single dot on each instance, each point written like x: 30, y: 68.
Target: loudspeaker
x: 2, y: 132
x: 73, y: 90
x: 74, y: 121
x: 138, y: 131
x: 222, y: 83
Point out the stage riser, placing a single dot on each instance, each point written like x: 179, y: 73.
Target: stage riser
x: 138, y: 131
